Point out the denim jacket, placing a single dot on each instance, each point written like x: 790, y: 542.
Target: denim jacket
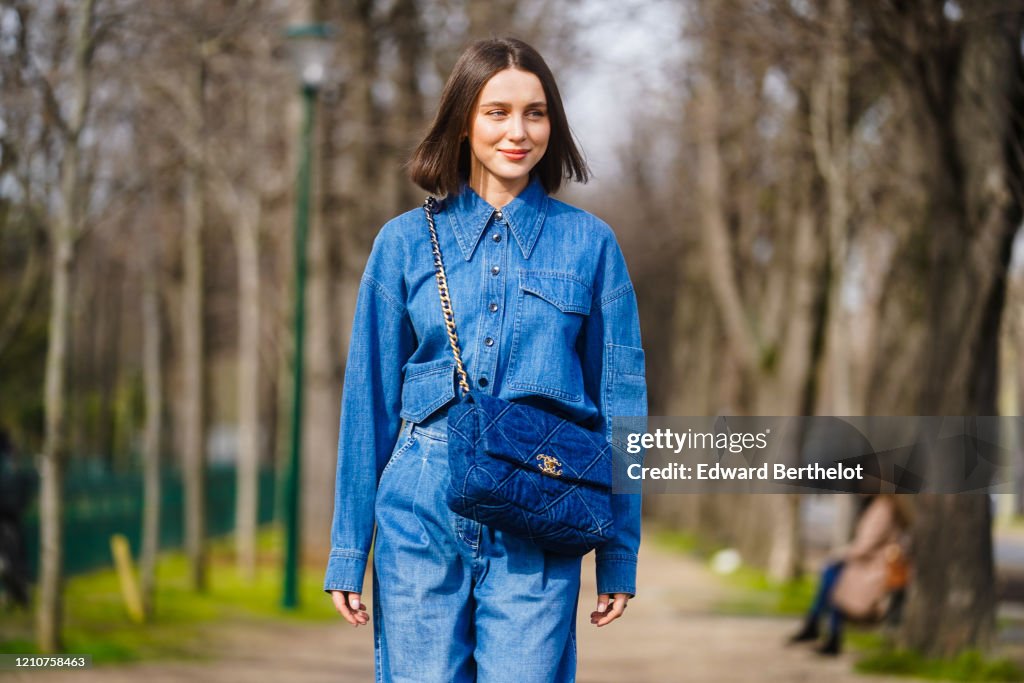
x: 545, y: 312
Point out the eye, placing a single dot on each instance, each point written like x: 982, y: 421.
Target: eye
x: 496, y: 113
x: 536, y: 114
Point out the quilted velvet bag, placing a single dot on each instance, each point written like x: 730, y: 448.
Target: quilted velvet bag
x: 520, y: 469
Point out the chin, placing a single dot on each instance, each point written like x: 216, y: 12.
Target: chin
x: 515, y: 175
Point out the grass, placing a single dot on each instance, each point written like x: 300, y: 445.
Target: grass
x: 967, y: 666
x: 680, y: 542
x: 754, y: 593
x: 751, y: 592
x: 96, y: 622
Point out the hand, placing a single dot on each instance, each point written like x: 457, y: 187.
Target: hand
x: 603, y: 615
x: 350, y: 606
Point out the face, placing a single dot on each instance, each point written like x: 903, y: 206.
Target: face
x: 508, y: 133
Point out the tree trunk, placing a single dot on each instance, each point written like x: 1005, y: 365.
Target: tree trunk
x: 829, y: 122
x: 193, y: 356
x: 246, y: 511
x: 951, y: 602
x: 152, y: 372
x: 775, y: 362
x: 408, y: 121
x: 940, y: 319
x: 743, y: 338
x: 1018, y: 392
x: 65, y: 232
x: 488, y: 17
x: 51, y: 506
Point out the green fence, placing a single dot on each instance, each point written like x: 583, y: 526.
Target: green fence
x: 98, y: 504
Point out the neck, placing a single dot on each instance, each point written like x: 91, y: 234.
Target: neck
x: 493, y: 190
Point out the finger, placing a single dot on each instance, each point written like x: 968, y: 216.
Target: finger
x: 618, y: 606
x: 349, y: 605
x: 602, y: 607
x: 358, y: 609
x: 341, y: 605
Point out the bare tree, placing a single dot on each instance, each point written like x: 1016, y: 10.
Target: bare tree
x: 153, y: 379
x: 65, y: 231
x: 776, y: 353
x: 243, y: 190
x: 216, y: 102
x: 193, y: 398
x: 960, y: 81
x: 830, y: 135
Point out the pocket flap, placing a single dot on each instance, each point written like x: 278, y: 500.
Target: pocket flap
x: 626, y: 360
x: 427, y: 387
x: 561, y: 290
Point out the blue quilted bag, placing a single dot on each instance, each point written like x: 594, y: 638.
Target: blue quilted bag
x: 529, y: 473
x: 519, y: 469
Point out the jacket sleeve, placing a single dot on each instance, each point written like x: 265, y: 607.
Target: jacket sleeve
x: 382, y: 341
x: 613, y: 369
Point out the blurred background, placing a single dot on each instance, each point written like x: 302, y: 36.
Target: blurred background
x: 819, y: 201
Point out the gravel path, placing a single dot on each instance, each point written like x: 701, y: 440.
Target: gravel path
x: 669, y: 634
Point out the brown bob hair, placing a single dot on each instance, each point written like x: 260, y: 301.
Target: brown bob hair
x: 441, y: 161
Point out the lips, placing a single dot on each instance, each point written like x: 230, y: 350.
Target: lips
x: 515, y: 154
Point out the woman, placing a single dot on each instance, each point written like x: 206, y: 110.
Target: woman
x: 546, y: 314
x: 858, y: 583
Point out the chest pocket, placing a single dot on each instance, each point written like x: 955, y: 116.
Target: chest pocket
x: 550, y: 308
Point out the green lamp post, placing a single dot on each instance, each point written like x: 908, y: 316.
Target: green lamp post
x: 310, y: 47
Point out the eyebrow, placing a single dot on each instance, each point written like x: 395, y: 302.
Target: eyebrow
x: 539, y: 103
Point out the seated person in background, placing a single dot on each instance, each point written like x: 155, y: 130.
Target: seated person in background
x: 859, y: 583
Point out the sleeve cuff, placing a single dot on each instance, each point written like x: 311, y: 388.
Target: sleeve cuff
x: 345, y: 570
x: 616, y: 574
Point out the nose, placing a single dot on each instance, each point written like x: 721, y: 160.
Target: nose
x: 517, y: 128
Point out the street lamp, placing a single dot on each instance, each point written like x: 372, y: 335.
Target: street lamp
x: 310, y: 46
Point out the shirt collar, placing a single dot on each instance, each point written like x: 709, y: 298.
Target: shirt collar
x: 469, y: 216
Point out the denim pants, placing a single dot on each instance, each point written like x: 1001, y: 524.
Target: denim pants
x: 456, y: 601
x: 823, y: 598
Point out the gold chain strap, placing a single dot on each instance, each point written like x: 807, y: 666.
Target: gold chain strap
x: 429, y: 206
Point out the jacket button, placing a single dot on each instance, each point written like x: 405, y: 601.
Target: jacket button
x: 496, y: 237
x: 495, y: 270
x: 493, y: 308
x: 482, y: 381
x: 488, y: 342
x: 498, y: 215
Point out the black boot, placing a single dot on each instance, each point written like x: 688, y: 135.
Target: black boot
x: 832, y: 646
x: 806, y: 634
